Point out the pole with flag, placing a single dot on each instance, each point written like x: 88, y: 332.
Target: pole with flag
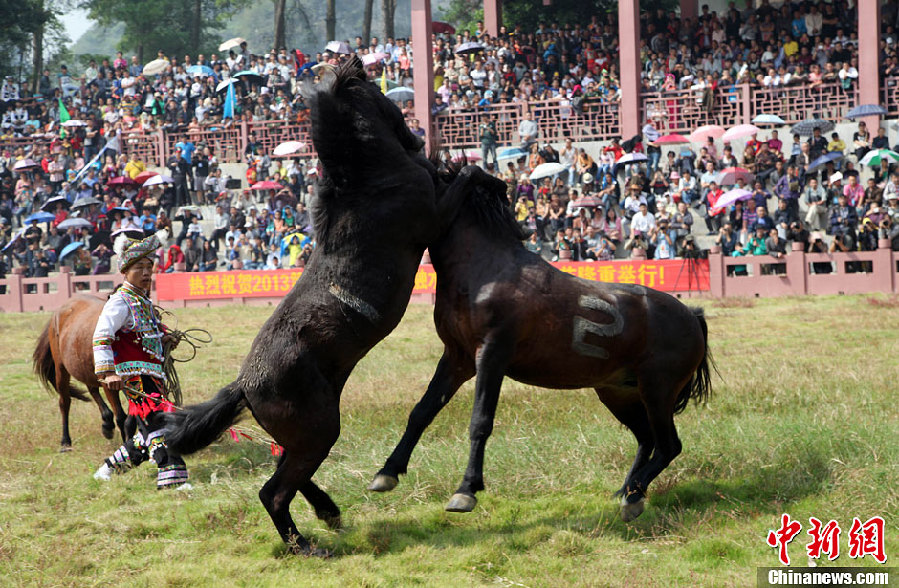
x: 384, y: 81
x: 63, y: 112
x: 229, y: 103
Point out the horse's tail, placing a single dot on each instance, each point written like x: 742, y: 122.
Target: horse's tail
x: 192, y: 428
x: 45, y: 366
x: 699, y: 388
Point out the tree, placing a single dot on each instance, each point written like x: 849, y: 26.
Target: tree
x: 331, y: 21
x: 388, y: 8
x: 280, y: 6
x: 366, y: 21
x: 21, y: 36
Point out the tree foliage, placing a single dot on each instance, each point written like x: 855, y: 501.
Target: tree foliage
x: 21, y: 19
x: 177, y: 27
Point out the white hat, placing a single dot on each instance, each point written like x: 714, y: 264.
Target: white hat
x: 837, y: 177
x: 587, y: 179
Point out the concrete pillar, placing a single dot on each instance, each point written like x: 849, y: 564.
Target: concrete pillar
x: 689, y: 9
x: 493, y: 16
x: 716, y: 272
x: 629, y: 38
x: 868, y: 62
x: 423, y: 77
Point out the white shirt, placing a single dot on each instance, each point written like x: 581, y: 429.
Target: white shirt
x: 117, y: 315
x: 643, y: 222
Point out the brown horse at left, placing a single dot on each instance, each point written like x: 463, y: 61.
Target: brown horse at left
x: 65, y: 351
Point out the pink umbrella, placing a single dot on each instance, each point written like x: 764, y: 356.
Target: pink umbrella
x: 730, y: 197
x: 25, y: 164
x: 373, y: 58
x: 121, y: 181
x: 471, y: 156
x: 673, y: 139
x: 266, y: 185
x: 729, y: 176
x: 442, y: 27
x: 706, y: 131
x: 739, y: 131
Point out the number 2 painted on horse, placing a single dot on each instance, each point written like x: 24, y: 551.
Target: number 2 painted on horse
x: 583, y: 326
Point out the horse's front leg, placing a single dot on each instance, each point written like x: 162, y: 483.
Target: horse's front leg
x: 452, y: 371
x: 492, y: 361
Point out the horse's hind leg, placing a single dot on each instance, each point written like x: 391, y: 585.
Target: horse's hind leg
x: 120, y: 417
x: 108, y: 426
x: 65, y: 402
x: 447, y: 378
x: 632, y: 414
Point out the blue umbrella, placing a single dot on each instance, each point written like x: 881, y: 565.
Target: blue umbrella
x: 248, y: 74
x: 768, y: 119
x: 512, y: 153
x: 824, y: 159
x: 307, y: 65
x: 200, y: 70
x: 863, y: 110
x: 14, y: 239
x: 41, y: 217
x: 70, y: 248
x: 400, y: 94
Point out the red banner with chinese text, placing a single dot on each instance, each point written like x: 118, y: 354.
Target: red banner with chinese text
x: 665, y: 275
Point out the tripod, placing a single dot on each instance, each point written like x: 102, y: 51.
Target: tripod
x: 694, y: 270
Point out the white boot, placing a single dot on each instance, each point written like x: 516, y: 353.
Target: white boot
x: 104, y: 473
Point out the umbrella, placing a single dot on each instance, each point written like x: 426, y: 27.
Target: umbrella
x: 82, y: 202
x: 632, y: 158
x: 768, y: 119
x: 266, y: 185
x: 74, y: 123
x: 863, y: 110
x: 338, y: 47
x: 307, y: 65
x: 75, y: 223
x: 15, y: 238
x: 156, y: 67
x: 40, y: 217
x: 289, y: 148
x: 732, y: 196
x: 121, y: 181
x: 246, y: 74
x: 231, y: 43
x: 143, y: 176
x: 158, y: 180
x: 120, y: 209
x: 729, y: 175
x: 739, y: 131
x: 806, y: 128
x: 442, y: 28
x: 194, y: 210
x: 129, y: 231
x: 512, y: 153
x: 220, y: 87
x: 470, y: 47
x: 70, y: 248
x: 25, y: 164
x: 545, y: 170
x: 51, y: 204
x: 373, y: 58
x: 671, y: 139
x: 469, y: 156
x: 706, y: 131
x: 587, y: 202
x: 200, y: 70
x: 401, y: 94
x: 875, y: 156
x: 823, y: 160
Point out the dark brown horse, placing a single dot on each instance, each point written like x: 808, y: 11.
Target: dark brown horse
x: 64, y: 351
x: 377, y: 207
x: 503, y: 311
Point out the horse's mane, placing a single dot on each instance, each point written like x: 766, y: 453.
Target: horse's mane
x: 486, y: 203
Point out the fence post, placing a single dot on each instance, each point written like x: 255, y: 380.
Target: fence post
x: 884, y: 270
x: 797, y: 269
x: 746, y: 101
x: 716, y: 272
x: 15, y: 288
x: 160, y: 147
x: 243, y: 139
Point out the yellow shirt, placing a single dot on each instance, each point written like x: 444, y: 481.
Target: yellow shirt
x: 791, y: 48
x: 134, y: 168
x: 837, y: 145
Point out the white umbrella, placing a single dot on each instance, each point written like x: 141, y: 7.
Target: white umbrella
x: 235, y: 42
x: 225, y: 83
x: 632, y: 158
x: 156, y: 67
x: 338, y: 47
x: 25, y: 164
x: 373, y: 58
x: 74, y: 123
x: 159, y: 180
x: 739, y: 131
x: 732, y: 196
x: 289, y: 148
x: 545, y: 170
x: 401, y: 94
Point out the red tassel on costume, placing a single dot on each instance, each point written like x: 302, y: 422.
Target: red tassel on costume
x: 245, y: 435
x: 234, y: 435
x: 139, y: 410
x: 277, y: 450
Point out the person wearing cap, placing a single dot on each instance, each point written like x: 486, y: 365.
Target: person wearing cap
x: 129, y: 351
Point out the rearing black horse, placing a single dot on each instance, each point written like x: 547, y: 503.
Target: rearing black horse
x: 377, y: 206
x: 502, y: 310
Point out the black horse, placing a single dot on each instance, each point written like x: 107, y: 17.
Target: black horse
x: 502, y: 310
x: 378, y: 205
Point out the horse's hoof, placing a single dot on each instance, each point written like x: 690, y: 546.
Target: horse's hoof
x: 108, y: 432
x: 461, y: 503
x: 65, y: 448
x: 383, y: 483
x: 333, y: 521
x: 631, y: 510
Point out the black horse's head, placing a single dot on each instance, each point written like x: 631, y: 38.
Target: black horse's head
x: 358, y: 133
x: 478, y: 201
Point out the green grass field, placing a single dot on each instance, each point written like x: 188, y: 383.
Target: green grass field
x: 804, y: 422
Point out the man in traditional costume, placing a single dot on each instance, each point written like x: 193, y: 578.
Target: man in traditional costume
x: 128, y: 355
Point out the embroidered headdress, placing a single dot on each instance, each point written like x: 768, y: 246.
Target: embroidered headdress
x: 131, y: 250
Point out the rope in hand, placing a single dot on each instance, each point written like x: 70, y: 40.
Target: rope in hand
x: 235, y: 432
x: 194, y: 338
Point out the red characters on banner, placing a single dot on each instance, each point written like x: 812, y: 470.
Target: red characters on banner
x: 782, y: 536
